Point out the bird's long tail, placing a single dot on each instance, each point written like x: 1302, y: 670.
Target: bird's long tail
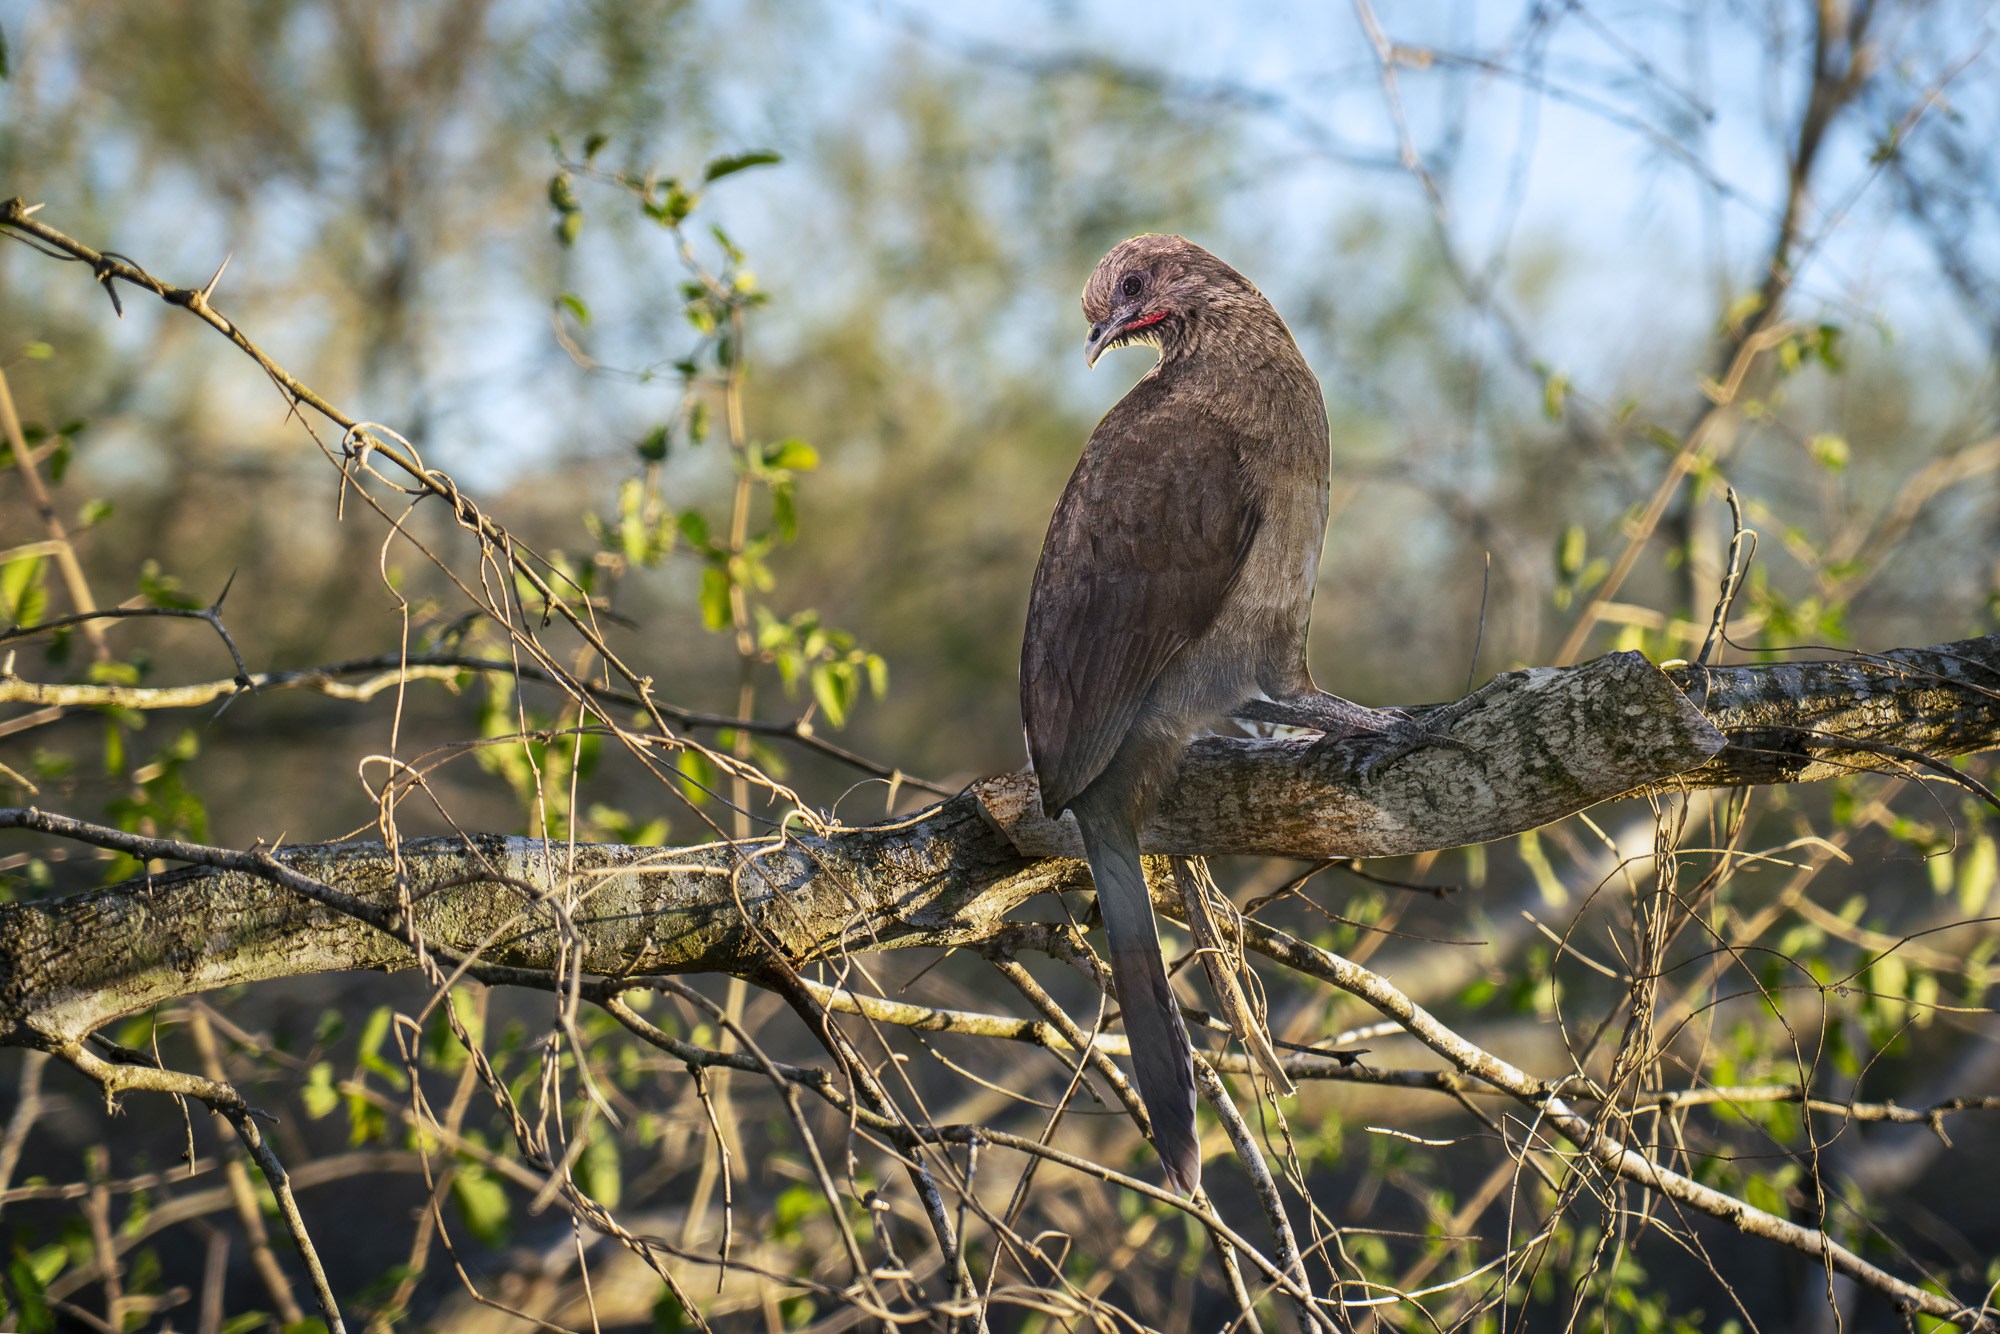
x: 1152, y: 1015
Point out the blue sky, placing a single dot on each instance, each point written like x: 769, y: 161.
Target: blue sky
x: 1601, y: 164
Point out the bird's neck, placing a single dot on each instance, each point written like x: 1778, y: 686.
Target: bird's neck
x: 1262, y: 379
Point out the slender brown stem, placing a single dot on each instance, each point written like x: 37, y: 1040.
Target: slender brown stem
x: 97, y: 1213
x: 65, y: 550
x: 249, y: 1213
x: 27, y: 1109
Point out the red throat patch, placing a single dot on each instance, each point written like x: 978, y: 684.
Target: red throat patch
x: 1153, y: 318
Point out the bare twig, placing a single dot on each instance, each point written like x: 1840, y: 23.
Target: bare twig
x: 388, y: 671
x: 63, y: 549
x: 249, y: 1213
x: 27, y: 1109
x: 1259, y: 1171
x: 1555, y: 1111
x: 210, y: 614
x: 221, y: 1098
x: 1707, y: 435
x: 97, y: 1213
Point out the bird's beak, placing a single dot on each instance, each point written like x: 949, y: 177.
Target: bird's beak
x: 1121, y: 323
x: 1100, y: 337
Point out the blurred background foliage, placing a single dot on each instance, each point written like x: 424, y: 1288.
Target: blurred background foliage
x: 430, y: 215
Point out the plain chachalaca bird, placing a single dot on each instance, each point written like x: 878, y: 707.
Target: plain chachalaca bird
x: 1173, y: 592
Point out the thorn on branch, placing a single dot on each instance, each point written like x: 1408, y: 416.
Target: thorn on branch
x: 208, y: 290
x: 104, y: 271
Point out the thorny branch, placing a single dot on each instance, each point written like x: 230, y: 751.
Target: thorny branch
x: 1939, y: 696
x: 598, y: 926
x: 390, y: 671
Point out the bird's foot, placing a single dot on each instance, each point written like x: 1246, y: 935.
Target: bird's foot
x: 1402, y: 734
x: 1378, y: 737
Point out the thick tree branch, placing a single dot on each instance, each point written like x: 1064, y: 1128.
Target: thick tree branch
x: 1549, y: 742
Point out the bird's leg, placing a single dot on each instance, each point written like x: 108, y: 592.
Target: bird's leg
x: 1334, y: 718
x: 1387, y: 734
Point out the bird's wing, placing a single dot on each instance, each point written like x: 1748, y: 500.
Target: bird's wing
x: 1145, y: 545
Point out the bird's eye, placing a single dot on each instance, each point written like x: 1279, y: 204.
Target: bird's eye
x: 1132, y: 284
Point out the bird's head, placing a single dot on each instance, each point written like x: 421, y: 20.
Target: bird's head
x: 1165, y: 291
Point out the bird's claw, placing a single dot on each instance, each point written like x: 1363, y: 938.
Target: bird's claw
x: 1405, y: 736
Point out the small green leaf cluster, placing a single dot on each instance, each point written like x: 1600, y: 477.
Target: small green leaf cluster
x: 666, y: 200
x: 151, y: 793
x: 1577, y: 572
x: 646, y: 529
x: 834, y: 665
x: 26, y: 1304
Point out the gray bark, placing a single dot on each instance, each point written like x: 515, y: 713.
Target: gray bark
x: 1550, y: 742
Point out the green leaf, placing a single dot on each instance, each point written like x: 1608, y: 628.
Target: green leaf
x: 797, y: 1203
x: 737, y: 163
x: 698, y: 773
x: 1741, y: 309
x: 1889, y: 978
x: 37, y: 351
x: 1570, y: 552
x: 833, y: 688
x: 163, y: 590
x: 319, y: 1095
x: 244, y: 1323
x: 482, y: 1203
x: 3, y: 53
x: 1554, y: 892
x: 32, y: 1295
x: 136, y: 1032
x: 368, y: 1051
x: 1555, y: 393
x: 1759, y: 1193
x: 597, y: 1171
x: 1828, y: 451
x: 594, y: 143
x: 47, y: 1262
x: 569, y: 227
x: 669, y: 1316
x: 715, y: 613
x: 698, y: 423
x: 23, y: 594
x: 672, y: 206
x: 785, y: 510
x: 694, y: 528
x: 793, y: 455
x: 573, y: 303
x: 1976, y: 876
x: 562, y: 193
x: 94, y: 512
x: 654, y: 447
